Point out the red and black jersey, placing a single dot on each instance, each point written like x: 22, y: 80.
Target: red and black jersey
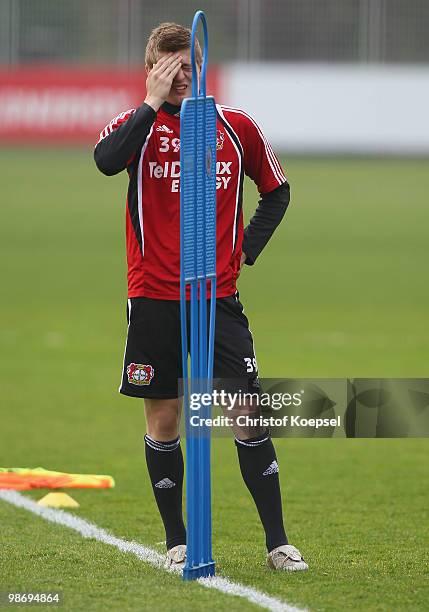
x: 147, y: 144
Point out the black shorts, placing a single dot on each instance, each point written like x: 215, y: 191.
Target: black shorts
x: 153, y: 357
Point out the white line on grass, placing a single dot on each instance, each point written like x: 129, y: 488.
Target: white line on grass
x: 89, y: 530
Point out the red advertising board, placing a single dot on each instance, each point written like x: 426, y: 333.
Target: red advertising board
x: 64, y: 105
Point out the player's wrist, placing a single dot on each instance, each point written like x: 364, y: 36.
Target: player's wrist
x: 154, y: 102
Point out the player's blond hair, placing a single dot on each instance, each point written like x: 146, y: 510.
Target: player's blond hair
x: 169, y: 37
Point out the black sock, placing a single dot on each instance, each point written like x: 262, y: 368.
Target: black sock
x: 259, y: 468
x: 165, y: 466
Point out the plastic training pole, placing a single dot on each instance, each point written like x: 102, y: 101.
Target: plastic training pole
x: 198, y: 276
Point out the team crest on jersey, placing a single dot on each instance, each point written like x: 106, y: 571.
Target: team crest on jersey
x: 140, y: 374
x: 220, y: 139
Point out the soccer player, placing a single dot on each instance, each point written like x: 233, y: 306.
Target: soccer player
x: 146, y: 143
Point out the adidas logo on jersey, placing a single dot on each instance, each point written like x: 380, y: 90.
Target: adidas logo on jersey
x: 272, y: 469
x: 165, y: 483
x: 164, y: 128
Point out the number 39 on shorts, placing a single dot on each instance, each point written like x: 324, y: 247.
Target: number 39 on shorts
x: 251, y: 365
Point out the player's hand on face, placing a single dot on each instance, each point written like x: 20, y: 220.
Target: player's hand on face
x: 160, y: 79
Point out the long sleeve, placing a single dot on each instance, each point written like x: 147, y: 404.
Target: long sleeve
x: 271, y: 209
x: 122, y: 138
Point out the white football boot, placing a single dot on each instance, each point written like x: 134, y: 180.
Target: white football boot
x: 176, y: 558
x: 286, y: 558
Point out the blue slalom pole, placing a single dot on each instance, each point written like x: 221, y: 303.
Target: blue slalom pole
x: 198, y: 271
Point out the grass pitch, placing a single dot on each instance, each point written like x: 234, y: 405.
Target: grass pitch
x: 340, y: 291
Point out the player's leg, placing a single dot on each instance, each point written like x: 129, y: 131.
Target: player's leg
x: 162, y: 418
x: 235, y: 359
x: 164, y: 461
x: 260, y: 470
x: 152, y: 367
